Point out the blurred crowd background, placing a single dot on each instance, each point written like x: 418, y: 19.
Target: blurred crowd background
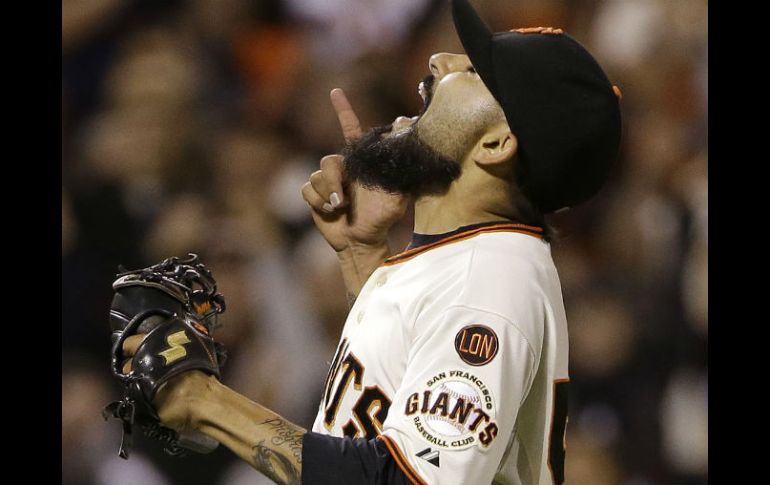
x: 190, y: 126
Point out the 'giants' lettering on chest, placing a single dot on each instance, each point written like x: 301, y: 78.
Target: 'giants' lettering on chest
x: 371, y: 409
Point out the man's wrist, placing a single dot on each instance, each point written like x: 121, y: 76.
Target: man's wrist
x: 356, y: 249
x: 358, y: 262
x: 199, y: 395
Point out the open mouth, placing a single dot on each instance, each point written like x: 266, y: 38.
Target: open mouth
x: 425, y: 89
x: 400, y: 124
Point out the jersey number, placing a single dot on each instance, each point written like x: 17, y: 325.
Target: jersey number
x: 557, y: 440
x: 371, y: 409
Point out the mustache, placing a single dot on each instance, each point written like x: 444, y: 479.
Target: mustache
x: 381, y: 130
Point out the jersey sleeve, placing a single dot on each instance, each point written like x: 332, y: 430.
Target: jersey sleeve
x: 453, y: 417
x: 330, y: 460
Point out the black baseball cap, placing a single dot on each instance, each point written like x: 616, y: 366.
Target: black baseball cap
x: 558, y: 101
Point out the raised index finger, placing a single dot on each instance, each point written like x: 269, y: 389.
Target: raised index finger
x: 351, y: 128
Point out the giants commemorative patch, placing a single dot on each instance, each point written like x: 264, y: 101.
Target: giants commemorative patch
x: 476, y: 344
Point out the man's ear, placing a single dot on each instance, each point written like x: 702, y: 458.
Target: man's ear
x: 496, y: 146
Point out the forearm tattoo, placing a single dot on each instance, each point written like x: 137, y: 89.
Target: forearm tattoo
x: 275, y: 466
x: 286, y: 434
x: 277, y: 460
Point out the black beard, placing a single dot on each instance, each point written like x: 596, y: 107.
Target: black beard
x: 401, y: 164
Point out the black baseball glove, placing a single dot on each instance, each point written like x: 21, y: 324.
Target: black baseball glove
x: 176, y: 304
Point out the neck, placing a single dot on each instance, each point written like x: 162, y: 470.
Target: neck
x: 459, y: 206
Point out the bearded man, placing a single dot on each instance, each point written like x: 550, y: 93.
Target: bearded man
x: 452, y: 367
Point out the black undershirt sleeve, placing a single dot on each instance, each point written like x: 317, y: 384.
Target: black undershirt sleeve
x: 330, y: 460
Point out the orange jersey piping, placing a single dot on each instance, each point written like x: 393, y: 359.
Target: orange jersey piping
x: 411, y: 253
x: 402, y: 462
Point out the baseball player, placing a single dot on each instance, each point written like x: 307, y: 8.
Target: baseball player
x: 452, y: 367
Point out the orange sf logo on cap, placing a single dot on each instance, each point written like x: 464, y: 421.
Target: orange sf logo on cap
x: 538, y: 30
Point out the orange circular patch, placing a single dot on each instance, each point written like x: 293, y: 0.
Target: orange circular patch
x: 476, y: 344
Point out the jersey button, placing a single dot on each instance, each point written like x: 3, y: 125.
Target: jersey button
x: 381, y: 280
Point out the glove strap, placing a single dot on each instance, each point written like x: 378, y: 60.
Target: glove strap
x: 127, y: 440
x: 125, y: 411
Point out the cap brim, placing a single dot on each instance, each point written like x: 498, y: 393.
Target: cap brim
x: 476, y: 39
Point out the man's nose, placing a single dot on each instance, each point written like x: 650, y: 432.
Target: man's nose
x: 443, y: 63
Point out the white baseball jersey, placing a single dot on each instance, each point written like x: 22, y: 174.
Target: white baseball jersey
x: 455, y: 355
